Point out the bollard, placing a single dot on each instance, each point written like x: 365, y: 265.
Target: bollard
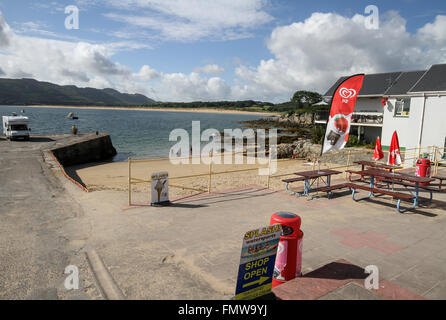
x: 289, y: 253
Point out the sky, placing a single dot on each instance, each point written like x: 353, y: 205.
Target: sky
x: 210, y: 50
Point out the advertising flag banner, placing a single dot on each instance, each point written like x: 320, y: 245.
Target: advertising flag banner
x: 257, y: 261
x: 341, y: 111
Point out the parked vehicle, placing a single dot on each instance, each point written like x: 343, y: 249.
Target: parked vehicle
x: 16, y: 127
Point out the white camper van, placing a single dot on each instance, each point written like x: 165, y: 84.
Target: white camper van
x: 15, y: 127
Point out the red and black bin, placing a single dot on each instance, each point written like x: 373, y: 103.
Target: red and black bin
x: 423, y: 169
x: 289, y: 253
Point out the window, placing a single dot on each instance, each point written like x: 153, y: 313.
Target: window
x: 19, y: 127
x: 402, y: 108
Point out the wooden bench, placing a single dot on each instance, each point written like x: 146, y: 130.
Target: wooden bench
x: 408, y: 184
x: 293, y: 179
x: 397, y: 195
x: 329, y: 189
x: 288, y: 181
x: 441, y: 178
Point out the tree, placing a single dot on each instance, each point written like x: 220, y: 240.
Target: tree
x: 304, y: 99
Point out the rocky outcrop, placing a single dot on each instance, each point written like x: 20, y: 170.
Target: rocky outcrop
x: 306, y: 119
x: 305, y: 149
x: 301, y: 148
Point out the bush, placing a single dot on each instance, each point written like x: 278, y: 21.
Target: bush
x: 318, y: 134
x: 353, y: 141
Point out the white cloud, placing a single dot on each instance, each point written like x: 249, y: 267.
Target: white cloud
x: 57, y: 61
x: 192, y: 87
x: 5, y: 32
x: 190, y: 20
x: 308, y: 55
x: 434, y: 32
x: 146, y: 73
x: 312, y: 54
x: 210, y: 69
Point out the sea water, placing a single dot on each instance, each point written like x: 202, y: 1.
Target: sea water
x: 134, y: 133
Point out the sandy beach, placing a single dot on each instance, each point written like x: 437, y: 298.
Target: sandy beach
x: 114, y: 176
x: 196, y: 110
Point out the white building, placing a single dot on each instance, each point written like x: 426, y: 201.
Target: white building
x: 412, y: 103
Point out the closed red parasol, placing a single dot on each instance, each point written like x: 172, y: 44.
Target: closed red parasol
x: 378, y: 155
x: 394, y: 151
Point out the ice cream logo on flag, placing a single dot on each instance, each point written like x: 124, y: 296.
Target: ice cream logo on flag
x: 347, y: 93
x: 341, y: 111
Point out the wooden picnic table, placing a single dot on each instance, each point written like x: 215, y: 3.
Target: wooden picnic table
x: 393, y: 176
x: 373, y: 165
x: 376, y: 165
x: 311, y: 177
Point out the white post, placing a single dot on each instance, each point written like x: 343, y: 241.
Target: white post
x: 420, y: 131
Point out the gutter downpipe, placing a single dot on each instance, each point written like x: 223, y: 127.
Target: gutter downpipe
x: 420, y: 133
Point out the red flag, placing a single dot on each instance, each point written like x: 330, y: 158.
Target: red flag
x: 342, y: 105
x: 378, y: 155
x: 394, y: 151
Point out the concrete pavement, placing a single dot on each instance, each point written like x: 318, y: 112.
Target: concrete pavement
x: 191, y: 250
x: 149, y: 249
x: 42, y: 228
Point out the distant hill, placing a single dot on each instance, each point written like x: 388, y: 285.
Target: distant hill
x: 33, y: 92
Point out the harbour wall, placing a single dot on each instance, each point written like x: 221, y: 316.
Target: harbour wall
x: 89, y: 148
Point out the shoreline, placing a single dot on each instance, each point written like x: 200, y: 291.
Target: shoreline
x: 196, y: 110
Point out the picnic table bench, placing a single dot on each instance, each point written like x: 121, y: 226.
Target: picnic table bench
x: 431, y: 189
x: 395, y: 178
x: 293, y: 180
x: 441, y: 178
x: 376, y: 165
x: 310, y: 177
x: 353, y: 172
x: 329, y: 189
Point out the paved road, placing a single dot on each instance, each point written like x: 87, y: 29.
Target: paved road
x: 42, y: 229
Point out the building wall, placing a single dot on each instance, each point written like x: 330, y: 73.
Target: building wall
x: 408, y: 128
x: 434, y: 130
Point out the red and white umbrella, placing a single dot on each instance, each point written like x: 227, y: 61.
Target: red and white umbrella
x: 378, y: 155
x: 394, y: 151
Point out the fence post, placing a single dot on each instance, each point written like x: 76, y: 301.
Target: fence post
x: 210, y: 176
x: 348, y: 161
x: 130, y: 181
x: 269, y: 169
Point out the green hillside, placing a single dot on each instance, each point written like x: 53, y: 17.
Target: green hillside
x: 33, y: 92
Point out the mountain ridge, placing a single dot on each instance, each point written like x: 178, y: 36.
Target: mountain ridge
x: 27, y: 91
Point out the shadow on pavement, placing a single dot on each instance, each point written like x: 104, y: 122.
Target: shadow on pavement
x: 40, y: 139
x: 338, y: 271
